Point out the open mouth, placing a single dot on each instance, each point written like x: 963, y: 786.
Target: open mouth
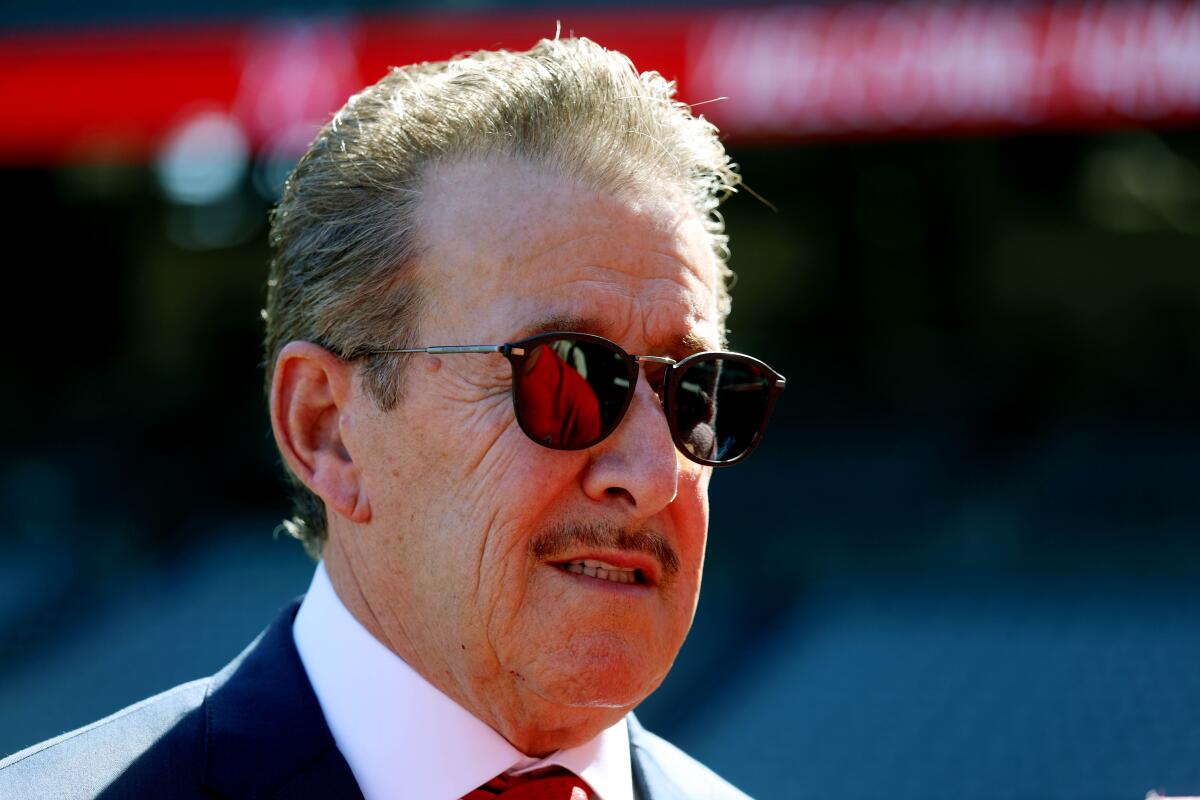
x: 604, y: 571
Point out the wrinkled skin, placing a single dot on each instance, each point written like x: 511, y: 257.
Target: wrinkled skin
x: 433, y: 505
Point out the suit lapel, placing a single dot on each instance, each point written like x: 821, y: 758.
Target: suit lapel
x: 266, y: 735
x: 650, y: 782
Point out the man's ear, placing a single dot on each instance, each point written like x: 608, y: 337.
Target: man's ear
x: 310, y: 390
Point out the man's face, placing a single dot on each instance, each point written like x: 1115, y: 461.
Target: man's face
x: 472, y: 524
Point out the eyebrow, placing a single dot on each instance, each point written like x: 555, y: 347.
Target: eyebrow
x: 682, y: 345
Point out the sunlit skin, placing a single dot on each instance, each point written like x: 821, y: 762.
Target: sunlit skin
x: 433, y: 505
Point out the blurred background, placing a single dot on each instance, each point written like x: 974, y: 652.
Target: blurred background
x: 965, y: 559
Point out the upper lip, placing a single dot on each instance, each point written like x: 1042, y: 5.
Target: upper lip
x: 644, y: 563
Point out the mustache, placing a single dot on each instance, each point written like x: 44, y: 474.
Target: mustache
x: 563, y: 538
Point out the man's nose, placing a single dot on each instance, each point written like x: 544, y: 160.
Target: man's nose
x: 638, y: 462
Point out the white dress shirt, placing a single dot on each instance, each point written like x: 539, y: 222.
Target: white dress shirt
x: 401, y: 736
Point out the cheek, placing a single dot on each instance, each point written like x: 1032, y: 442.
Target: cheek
x: 446, y: 460
x: 689, y: 515
x: 461, y: 435
x: 525, y: 488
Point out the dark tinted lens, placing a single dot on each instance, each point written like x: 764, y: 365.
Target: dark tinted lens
x: 720, y: 406
x: 570, y: 393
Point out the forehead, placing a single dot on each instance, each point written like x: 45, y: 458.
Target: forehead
x: 507, y: 248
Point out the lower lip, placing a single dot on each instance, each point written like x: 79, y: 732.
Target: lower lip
x: 631, y: 589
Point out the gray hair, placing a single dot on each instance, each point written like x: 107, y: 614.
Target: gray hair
x: 342, y: 233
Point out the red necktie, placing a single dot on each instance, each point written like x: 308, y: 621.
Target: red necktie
x: 554, y: 783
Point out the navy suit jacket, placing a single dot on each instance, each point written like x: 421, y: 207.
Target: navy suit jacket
x: 255, y: 730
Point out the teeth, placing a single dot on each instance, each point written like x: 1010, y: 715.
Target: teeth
x: 601, y: 570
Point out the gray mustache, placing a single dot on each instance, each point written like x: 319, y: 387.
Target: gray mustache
x: 564, y: 538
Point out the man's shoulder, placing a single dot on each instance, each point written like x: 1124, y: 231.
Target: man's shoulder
x: 666, y: 771
x: 255, y: 729
x: 162, y: 735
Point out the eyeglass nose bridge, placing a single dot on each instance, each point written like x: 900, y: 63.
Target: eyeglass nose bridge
x: 655, y: 360
x: 657, y: 381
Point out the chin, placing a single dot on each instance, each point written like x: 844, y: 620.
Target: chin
x: 599, y: 672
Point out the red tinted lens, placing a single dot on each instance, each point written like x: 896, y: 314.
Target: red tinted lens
x: 571, y: 393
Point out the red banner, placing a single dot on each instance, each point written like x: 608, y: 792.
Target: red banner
x: 866, y: 68
x: 783, y: 72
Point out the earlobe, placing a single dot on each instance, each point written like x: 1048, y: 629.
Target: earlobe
x: 311, y: 393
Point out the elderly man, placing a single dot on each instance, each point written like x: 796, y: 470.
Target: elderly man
x: 495, y: 320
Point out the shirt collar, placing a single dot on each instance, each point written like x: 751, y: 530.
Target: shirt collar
x: 401, y: 736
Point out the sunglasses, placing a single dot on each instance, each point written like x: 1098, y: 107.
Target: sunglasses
x: 571, y: 390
